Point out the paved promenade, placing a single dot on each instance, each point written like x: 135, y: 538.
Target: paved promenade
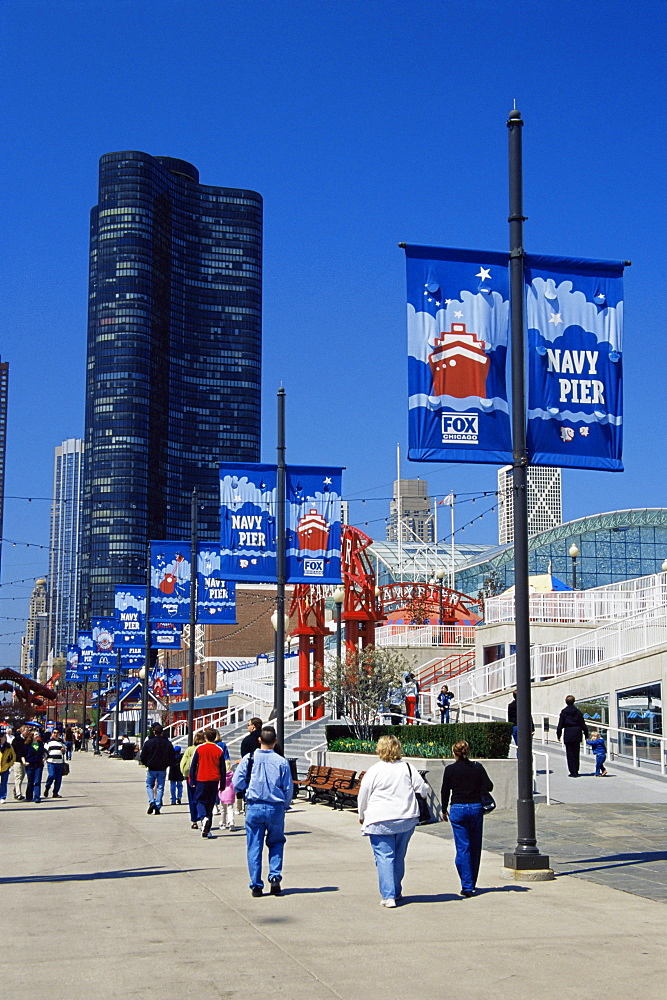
x: 104, y: 901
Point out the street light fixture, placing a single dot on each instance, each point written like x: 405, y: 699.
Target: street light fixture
x: 574, y: 552
x: 339, y: 598
x: 664, y: 566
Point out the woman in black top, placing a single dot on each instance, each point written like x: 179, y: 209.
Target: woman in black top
x: 465, y: 781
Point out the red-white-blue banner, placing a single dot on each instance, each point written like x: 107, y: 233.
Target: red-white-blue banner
x: 458, y: 339
x: 248, y: 523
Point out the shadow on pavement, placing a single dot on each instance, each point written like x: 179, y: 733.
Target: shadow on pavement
x: 97, y: 876
x: 298, y: 892
x: 635, y: 858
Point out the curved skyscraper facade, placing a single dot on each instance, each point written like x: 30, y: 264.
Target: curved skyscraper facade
x: 174, y: 360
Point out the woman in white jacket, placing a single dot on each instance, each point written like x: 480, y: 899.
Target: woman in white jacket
x: 389, y: 813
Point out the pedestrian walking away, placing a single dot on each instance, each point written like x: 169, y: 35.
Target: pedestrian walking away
x: 465, y: 782
x: 411, y: 698
x: 444, y: 701
x: 511, y: 718
x: 207, y: 773
x: 176, y: 778
x: 186, y: 760
x: 599, y: 748
x: 157, y: 754
x: 56, y: 752
x: 7, y: 758
x: 249, y: 744
x: 266, y: 779
x: 389, y: 813
x: 227, y: 796
x: 572, y: 726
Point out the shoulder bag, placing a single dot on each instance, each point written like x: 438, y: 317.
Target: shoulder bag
x: 486, y: 798
x: 424, y: 811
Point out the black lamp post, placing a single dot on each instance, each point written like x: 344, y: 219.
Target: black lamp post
x: 574, y: 552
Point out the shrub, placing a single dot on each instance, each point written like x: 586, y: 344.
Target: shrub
x: 490, y: 740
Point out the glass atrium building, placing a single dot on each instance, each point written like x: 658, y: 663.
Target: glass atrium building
x: 174, y: 361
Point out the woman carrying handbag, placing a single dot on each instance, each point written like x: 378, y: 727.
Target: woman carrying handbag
x: 469, y: 785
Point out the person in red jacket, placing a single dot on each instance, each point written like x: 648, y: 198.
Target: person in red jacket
x: 207, y: 771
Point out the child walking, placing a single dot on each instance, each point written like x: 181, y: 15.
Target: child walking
x: 599, y: 748
x: 227, y: 796
x: 176, y: 778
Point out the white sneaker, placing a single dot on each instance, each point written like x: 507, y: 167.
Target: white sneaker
x: 389, y: 903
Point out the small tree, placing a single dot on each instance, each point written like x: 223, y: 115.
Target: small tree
x: 365, y: 682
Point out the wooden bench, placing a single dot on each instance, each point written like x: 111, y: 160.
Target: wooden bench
x: 339, y: 779
x: 317, y: 775
x: 346, y: 796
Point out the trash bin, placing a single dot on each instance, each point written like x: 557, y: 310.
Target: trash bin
x: 127, y: 751
x: 292, y: 766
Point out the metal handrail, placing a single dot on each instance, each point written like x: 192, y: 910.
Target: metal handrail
x: 540, y: 753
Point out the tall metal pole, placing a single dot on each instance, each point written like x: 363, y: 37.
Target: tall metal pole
x: 339, y: 654
x: 116, y: 726
x: 147, y: 657
x: 84, y: 743
x: 279, y: 666
x: 96, y: 742
x: 526, y: 855
x: 193, y: 618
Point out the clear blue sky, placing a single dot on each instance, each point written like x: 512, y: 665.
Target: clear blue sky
x: 362, y: 124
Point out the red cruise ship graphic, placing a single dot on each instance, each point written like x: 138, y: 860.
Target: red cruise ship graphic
x: 459, y: 364
x: 312, y: 531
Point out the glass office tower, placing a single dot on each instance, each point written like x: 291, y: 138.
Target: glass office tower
x: 174, y: 361
x: 63, y: 601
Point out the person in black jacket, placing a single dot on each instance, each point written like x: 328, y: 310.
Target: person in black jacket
x: 512, y: 719
x: 157, y: 754
x: 572, y: 727
x: 465, y: 781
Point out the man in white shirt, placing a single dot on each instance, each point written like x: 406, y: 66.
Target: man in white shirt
x: 55, y: 758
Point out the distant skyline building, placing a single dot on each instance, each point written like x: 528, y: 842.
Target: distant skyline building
x: 174, y: 361
x: 4, y: 391
x: 545, y: 501
x: 34, y: 642
x: 411, y: 506
x: 64, y: 545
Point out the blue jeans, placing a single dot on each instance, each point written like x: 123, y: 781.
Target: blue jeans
x: 263, y: 819
x: 155, y: 787
x: 4, y: 778
x: 467, y: 821
x: 191, y: 801
x: 444, y: 716
x: 389, y: 850
x: 33, y: 782
x: 176, y: 791
x: 599, y: 763
x: 55, y: 778
x: 205, y: 796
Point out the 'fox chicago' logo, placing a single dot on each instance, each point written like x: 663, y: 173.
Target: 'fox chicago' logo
x: 460, y: 427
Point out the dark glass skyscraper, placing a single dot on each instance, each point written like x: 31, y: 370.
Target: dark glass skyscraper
x: 174, y: 360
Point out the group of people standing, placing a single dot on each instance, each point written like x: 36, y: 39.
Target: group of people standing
x: 26, y: 755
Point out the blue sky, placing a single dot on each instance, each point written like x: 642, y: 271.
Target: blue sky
x: 362, y: 124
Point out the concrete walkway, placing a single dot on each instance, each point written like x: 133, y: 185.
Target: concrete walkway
x: 104, y: 901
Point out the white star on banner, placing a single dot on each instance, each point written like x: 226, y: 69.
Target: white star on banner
x: 555, y: 318
x: 448, y: 301
x: 458, y: 314
x: 484, y: 273
x: 327, y: 480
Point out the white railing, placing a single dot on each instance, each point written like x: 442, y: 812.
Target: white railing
x: 425, y: 635
x: 574, y: 606
x: 539, y: 753
x: 595, y: 648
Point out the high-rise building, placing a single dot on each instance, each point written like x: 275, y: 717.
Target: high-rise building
x: 412, y: 506
x: 174, y: 360
x: 4, y: 386
x: 545, y: 503
x: 64, y: 545
x: 33, y: 643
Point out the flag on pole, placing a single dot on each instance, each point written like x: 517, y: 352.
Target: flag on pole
x: 574, y: 316
x: 458, y: 335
